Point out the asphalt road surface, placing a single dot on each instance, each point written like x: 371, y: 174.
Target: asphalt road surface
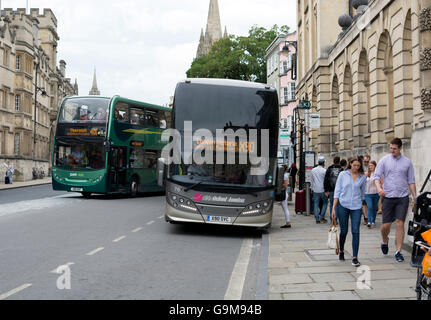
x: 119, y: 248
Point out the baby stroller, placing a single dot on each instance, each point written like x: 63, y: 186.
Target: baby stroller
x: 421, y: 223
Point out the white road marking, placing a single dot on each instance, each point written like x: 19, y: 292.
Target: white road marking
x: 137, y: 229
x: 151, y: 222
x: 95, y: 251
x: 119, y: 239
x: 161, y: 217
x: 67, y: 265
x: 14, y: 291
x: 237, y: 279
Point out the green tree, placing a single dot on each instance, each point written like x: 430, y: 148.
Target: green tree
x: 240, y: 58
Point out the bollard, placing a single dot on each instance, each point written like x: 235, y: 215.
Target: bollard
x: 307, y: 199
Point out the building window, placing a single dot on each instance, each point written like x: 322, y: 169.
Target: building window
x: 18, y: 62
x: 17, y: 102
x: 16, y: 144
x: 292, y: 86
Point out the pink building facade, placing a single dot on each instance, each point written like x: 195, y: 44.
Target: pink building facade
x: 279, y: 76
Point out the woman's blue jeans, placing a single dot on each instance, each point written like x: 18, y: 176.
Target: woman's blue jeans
x: 372, y: 203
x: 343, y: 215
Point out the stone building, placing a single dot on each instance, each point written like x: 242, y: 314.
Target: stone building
x: 369, y: 76
x: 213, y: 31
x: 29, y: 74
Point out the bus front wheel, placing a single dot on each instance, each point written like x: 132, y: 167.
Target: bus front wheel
x: 86, y: 195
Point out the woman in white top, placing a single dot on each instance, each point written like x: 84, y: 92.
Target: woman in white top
x: 284, y: 203
x: 371, y: 195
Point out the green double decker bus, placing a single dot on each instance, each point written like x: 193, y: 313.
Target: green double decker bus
x: 108, y: 145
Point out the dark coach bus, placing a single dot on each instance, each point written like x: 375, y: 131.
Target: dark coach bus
x: 223, y: 193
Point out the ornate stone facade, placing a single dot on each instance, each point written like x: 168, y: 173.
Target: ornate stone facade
x: 371, y: 81
x: 28, y: 57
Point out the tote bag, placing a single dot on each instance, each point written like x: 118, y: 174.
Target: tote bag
x: 333, y: 237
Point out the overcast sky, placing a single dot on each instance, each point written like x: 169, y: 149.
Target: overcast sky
x: 142, y: 48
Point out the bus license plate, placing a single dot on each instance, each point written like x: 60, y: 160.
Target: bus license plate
x: 76, y: 189
x: 219, y: 219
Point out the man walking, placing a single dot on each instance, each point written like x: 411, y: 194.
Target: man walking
x: 331, y: 180
x: 317, y: 180
x: 399, y: 177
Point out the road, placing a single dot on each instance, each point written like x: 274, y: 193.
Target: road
x: 118, y: 248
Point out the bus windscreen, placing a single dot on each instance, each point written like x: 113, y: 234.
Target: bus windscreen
x: 85, y: 110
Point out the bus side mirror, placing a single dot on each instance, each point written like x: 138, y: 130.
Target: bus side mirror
x: 161, y: 172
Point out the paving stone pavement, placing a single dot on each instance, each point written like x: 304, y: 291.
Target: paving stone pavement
x: 301, y: 267
x: 30, y: 183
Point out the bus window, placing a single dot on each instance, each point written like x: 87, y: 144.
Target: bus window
x: 151, y: 157
x: 136, y: 158
x: 121, y: 112
x: 151, y: 119
x: 83, y: 110
x: 137, y: 116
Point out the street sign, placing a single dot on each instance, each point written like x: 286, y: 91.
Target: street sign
x: 285, y: 138
x: 305, y: 104
x: 315, y: 121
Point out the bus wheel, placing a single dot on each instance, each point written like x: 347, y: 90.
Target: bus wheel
x: 134, y: 187
x: 86, y: 195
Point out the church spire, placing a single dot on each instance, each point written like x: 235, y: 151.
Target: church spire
x: 94, y: 91
x: 213, y: 24
x: 213, y: 31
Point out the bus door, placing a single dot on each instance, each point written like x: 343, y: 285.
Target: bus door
x: 117, y: 168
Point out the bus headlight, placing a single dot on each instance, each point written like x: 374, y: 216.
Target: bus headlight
x: 256, y: 209
x: 182, y: 203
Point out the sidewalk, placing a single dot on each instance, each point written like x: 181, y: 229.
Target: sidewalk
x: 300, y: 266
x: 29, y: 183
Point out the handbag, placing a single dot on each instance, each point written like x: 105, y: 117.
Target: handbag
x: 333, y: 237
x: 281, y: 196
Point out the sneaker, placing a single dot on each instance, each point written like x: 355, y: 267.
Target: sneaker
x: 323, y: 220
x: 373, y: 225
x: 341, y: 256
x: 385, y: 248
x: 355, y: 262
x: 318, y: 221
x: 399, y: 257
x: 369, y: 225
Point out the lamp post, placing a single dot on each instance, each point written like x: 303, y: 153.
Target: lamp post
x: 36, y: 90
x: 286, y: 51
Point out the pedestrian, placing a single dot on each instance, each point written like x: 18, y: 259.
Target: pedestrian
x: 399, y: 176
x: 371, y: 195
x: 365, y: 162
x: 9, y: 171
x: 317, y: 180
x: 284, y: 202
x: 330, y: 181
x: 293, y: 171
x: 348, y: 196
x: 343, y: 164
